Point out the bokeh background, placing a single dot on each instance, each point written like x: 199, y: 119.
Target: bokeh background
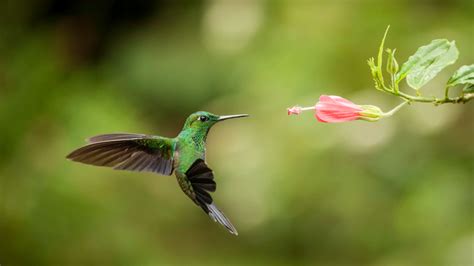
x: 396, y: 192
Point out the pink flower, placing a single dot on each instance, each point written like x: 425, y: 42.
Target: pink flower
x: 335, y: 109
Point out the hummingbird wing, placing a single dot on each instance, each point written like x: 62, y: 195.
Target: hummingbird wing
x: 201, y: 182
x: 124, y: 151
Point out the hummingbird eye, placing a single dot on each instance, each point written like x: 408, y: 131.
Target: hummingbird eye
x: 203, y: 118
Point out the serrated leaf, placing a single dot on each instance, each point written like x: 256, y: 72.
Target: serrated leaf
x: 464, y: 75
x: 427, y: 62
x: 469, y: 88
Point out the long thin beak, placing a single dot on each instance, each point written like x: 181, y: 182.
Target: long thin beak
x: 225, y: 117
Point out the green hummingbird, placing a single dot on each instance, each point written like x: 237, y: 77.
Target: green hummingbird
x: 185, y: 155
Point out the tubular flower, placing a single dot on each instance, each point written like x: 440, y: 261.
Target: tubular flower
x: 335, y: 109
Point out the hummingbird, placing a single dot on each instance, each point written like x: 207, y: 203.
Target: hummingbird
x: 185, y: 155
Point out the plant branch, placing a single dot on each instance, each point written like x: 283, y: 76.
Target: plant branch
x: 460, y: 99
x: 393, y: 86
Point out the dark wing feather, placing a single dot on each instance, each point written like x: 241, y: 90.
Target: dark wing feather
x: 202, y: 182
x: 115, y: 136
x: 122, y: 151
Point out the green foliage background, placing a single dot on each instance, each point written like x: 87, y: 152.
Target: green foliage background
x: 395, y: 192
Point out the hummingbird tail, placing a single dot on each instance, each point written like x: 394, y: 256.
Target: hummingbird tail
x: 201, y: 180
x: 219, y: 217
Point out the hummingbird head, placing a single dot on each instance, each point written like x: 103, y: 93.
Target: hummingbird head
x: 200, y: 122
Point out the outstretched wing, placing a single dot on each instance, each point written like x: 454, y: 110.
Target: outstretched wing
x: 124, y: 151
x: 201, y: 182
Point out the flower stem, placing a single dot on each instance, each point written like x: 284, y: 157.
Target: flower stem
x: 394, y: 110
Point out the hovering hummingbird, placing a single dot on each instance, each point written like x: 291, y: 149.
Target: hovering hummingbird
x: 184, y: 154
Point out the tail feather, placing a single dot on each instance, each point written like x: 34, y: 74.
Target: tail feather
x: 201, y: 182
x: 219, y: 217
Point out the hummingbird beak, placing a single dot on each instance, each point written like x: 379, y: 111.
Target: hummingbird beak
x: 225, y: 117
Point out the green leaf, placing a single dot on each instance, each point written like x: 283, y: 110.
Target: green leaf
x: 469, y: 88
x: 464, y: 75
x: 427, y: 62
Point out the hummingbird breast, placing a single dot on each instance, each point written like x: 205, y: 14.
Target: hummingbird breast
x: 186, y: 153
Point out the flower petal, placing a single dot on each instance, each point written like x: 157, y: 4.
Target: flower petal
x: 332, y: 117
x: 339, y: 101
x: 333, y: 109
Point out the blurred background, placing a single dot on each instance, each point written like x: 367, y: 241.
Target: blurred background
x: 395, y: 192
